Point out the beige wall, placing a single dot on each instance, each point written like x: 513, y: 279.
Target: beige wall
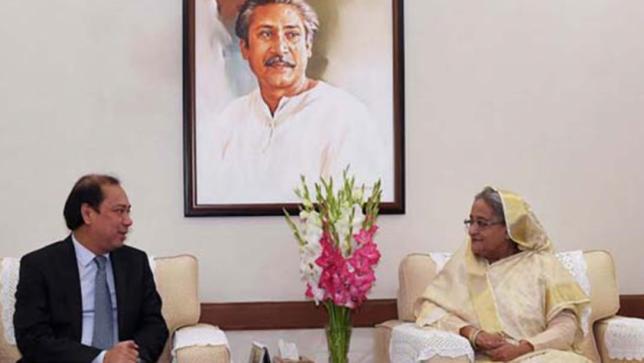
x: 543, y: 97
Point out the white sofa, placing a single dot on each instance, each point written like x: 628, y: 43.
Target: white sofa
x: 177, y: 281
x: 417, y: 270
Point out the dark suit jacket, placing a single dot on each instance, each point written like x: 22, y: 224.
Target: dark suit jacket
x: 48, y: 313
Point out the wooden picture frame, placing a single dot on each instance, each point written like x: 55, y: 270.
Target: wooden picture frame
x: 365, y: 63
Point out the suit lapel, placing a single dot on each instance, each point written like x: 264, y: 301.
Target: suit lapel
x: 70, y: 282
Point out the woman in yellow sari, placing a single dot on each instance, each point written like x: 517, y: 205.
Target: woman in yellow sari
x: 505, y: 291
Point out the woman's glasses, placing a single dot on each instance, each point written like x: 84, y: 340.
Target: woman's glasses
x: 480, y: 223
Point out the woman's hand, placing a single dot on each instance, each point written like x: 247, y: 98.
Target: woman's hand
x: 488, y: 341
x: 507, y: 351
x: 484, y: 340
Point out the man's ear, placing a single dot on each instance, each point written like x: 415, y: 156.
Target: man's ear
x: 243, y: 46
x: 87, y: 213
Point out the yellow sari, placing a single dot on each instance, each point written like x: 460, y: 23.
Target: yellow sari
x: 516, y: 296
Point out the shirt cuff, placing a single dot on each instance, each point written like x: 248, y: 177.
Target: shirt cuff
x: 99, y: 358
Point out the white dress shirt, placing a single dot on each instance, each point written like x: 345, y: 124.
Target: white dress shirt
x: 87, y: 271
x: 254, y: 156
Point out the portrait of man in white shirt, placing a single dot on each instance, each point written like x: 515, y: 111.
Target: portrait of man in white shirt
x: 256, y: 147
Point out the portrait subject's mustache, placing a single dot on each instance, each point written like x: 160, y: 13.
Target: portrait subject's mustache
x: 279, y: 60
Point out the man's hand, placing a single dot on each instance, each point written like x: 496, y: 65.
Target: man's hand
x: 508, y: 351
x: 488, y: 341
x: 123, y: 352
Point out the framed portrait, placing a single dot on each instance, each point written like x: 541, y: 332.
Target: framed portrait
x: 276, y: 90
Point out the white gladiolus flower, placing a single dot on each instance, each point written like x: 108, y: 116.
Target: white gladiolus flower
x: 312, y: 235
x: 358, y: 217
x: 318, y: 293
x: 358, y: 194
x: 310, y: 252
x: 310, y: 216
x: 309, y: 270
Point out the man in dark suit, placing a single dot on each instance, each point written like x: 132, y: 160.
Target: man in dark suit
x: 90, y: 298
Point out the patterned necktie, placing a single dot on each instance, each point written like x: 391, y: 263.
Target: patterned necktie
x: 102, y: 337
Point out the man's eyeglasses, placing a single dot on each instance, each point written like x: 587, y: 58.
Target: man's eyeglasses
x: 480, y: 223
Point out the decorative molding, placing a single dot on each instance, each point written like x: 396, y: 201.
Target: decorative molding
x: 305, y: 315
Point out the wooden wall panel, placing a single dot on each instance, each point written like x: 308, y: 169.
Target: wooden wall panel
x: 305, y: 315
x: 631, y: 305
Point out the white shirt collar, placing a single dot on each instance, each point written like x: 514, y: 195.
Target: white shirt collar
x: 286, y: 106
x: 83, y: 255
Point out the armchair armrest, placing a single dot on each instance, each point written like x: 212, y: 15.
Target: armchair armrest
x: 410, y: 343
x: 619, y: 339
x: 200, y: 343
x: 381, y: 337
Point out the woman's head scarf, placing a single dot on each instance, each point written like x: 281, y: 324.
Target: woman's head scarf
x: 522, y: 225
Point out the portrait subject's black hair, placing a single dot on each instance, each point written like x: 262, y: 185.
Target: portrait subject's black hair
x: 86, y: 190
x: 308, y: 14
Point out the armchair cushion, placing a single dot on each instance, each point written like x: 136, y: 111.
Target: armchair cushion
x: 415, y: 272
x: 9, y: 268
x: 177, y: 282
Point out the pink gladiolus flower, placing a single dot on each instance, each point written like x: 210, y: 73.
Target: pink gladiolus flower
x: 347, y: 281
x: 365, y: 236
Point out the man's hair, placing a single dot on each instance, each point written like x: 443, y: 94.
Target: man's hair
x: 308, y: 14
x: 492, y: 198
x: 86, y: 190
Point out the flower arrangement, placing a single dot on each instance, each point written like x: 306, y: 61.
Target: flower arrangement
x: 337, y: 251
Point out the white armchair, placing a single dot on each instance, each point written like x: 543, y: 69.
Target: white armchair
x: 612, y: 340
x: 177, y: 281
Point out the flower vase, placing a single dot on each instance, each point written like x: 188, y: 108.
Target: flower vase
x: 338, y: 333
